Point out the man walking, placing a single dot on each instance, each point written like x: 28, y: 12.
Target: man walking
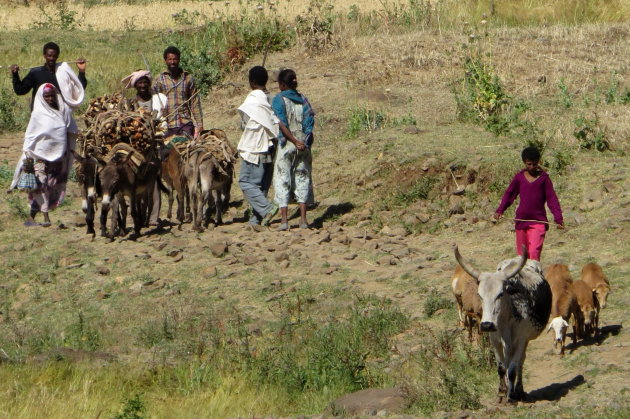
x: 256, y: 148
x: 183, y: 105
x: 56, y: 74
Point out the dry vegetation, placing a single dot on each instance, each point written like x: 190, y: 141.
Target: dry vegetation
x: 284, y: 323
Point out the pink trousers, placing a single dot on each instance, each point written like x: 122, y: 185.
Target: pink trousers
x: 533, y: 237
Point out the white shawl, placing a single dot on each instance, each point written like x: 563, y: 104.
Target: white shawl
x: 70, y: 86
x: 262, y: 124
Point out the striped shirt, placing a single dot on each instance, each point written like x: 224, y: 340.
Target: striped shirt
x: 177, y: 92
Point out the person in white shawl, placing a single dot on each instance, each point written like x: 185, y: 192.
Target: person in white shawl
x: 49, y: 137
x: 256, y: 148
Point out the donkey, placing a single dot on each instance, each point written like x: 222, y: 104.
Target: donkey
x: 207, y: 178
x: 89, y: 182
x: 123, y: 175
x: 174, y: 180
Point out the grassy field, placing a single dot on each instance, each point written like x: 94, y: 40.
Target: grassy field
x: 284, y: 323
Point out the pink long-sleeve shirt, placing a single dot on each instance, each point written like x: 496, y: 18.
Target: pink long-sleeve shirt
x: 533, y: 195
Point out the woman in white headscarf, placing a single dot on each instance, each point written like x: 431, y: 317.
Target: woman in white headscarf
x: 49, y: 137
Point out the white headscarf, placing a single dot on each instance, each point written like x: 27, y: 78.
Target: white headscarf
x: 131, y: 80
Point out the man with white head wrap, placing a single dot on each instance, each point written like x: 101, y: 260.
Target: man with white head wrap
x: 141, y: 81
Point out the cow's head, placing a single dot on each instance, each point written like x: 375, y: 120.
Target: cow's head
x: 111, y: 175
x: 600, y: 292
x: 493, y: 287
x: 559, y: 326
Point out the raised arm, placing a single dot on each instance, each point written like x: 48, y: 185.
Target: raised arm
x: 21, y: 87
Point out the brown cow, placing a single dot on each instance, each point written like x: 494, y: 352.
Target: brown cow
x: 468, y: 302
x: 563, y: 303
x: 585, y: 317
x: 593, y: 276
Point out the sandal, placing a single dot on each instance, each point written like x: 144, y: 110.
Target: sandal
x: 46, y: 224
x: 31, y: 224
x: 283, y: 227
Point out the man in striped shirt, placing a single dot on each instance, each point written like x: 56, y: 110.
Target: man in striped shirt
x: 183, y: 105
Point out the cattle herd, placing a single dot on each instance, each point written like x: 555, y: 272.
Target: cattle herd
x: 123, y: 154
x: 515, y: 303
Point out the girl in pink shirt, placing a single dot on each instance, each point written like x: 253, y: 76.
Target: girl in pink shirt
x: 535, y: 189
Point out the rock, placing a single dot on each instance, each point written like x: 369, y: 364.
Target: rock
x: 350, y: 256
x: 103, y: 270
x: 456, y: 208
x: 411, y: 219
x: 424, y: 218
x: 56, y: 297
x: 178, y: 258
x: 412, y: 129
x: 387, y: 231
x: 173, y: 253
x: 281, y: 256
x: 143, y: 256
x: 250, y: 260
x: 218, y: 249
x: 102, y: 295
x: 369, y: 402
x: 330, y: 201
x: 160, y: 246
x: 386, y: 260
x: 400, y: 231
x: 136, y: 288
x: 209, y: 272
x: 284, y: 264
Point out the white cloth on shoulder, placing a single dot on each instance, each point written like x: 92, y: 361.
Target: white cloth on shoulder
x: 46, y: 137
x: 261, y: 126
x: 70, y: 85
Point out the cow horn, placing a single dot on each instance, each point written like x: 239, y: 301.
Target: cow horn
x: 520, y: 265
x: 470, y: 271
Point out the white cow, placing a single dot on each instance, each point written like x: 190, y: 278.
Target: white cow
x: 516, y: 305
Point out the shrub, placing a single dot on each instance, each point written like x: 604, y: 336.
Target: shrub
x: 448, y: 373
x: 133, y: 409
x: 316, y: 28
x: 219, y: 46
x: 566, y: 99
x: 420, y: 189
x: 309, y: 356
x: 12, y: 116
x: 61, y: 17
x: 364, y: 119
x: 435, y: 302
x: 590, y: 134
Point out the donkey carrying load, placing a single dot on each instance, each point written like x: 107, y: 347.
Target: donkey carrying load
x: 209, y: 169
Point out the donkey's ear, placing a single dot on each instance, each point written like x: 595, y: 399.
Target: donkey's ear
x: 77, y: 156
x: 100, y: 162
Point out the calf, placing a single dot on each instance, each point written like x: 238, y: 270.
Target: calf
x: 563, y: 303
x: 593, y: 276
x: 585, y: 313
x: 468, y: 301
x: 516, y: 303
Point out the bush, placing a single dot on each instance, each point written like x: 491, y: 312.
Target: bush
x: 420, y: 189
x: 449, y: 373
x: 364, y: 119
x: 309, y: 356
x: 219, y: 46
x: 12, y: 116
x: 590, y: 134
x: 435, y: 302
